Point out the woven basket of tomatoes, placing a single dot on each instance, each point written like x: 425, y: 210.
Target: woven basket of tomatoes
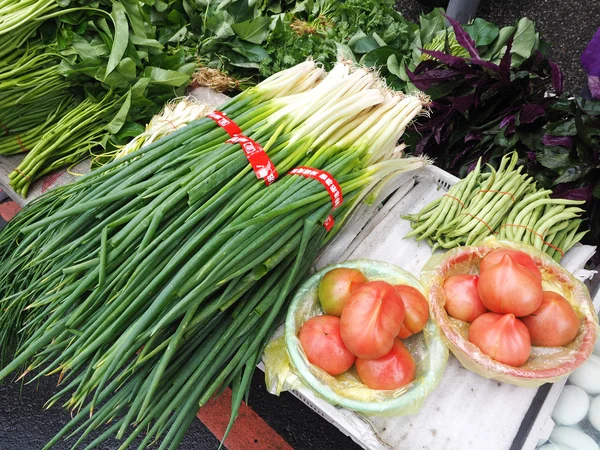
x: 359, y: 335
x: 510, y: 313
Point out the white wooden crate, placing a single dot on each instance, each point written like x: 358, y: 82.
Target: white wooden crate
x: 466, y: 411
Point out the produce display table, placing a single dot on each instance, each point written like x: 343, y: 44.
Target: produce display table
x: 466, y: 410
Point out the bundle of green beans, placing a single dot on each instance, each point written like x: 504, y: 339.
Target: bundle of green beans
x: 155, y: 281
x: 502, y: 202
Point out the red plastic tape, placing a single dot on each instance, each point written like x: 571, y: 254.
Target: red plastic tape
x: 257, y: 157
x: 224, y: 122
x: 328, y: 224
x: 325, y: 178
x: 332, y: 186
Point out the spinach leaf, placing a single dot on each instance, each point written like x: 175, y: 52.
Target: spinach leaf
x: 121, y: 38
x: 253, y: 30
x: 482, y: 31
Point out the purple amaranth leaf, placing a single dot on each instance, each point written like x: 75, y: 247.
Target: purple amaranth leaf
x: 463, y: 152
x: 463, y: 38
x: 594, y: 85
x: 424, y: 66
x: 422, y: 144
x: 590, y: 58
x: 507, y: 58
x: 531, y: 112
x: 565, y: 191
x: 508, y: 120
x: 531, y: 155
x: 473, y: 136
x: 557, y: 77
x: 425, y: 80
x: 471, y: 167
x: 437, y: 132
x: 487, y: 64
x: 561, y: 141
x: 464, y: 102
x: 456, y: 62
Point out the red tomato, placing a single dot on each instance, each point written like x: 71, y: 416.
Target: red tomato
x: 555, y: 322
x: 501, y: 337
x: 320, y: 338
x: 391, y: 371
x: 336, y: 286
x: 509, y: 288
x: 493, y: 258
x: 462, y: 297
x: 416, y: 310
x: 372, y: 319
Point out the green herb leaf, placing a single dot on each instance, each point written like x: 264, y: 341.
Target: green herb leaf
x: 573, y: 173
x: 361, y: 43
x: 524, y: 40
x: 554, y: 158
x: 482, y: 31
x: 121, y: 38
x: 498, y: 48
x: 344, y: 52
x: 431, y: 24
x: 254, y: 30
x: 562, y: 128
x: 163, y: 76
x: 145, y: 42
x: 117, y: 122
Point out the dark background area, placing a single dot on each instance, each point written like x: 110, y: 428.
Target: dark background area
x: 25, y: 425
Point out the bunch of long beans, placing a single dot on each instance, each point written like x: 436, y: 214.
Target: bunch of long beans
x: 155, y: 281
x: 502, y: 202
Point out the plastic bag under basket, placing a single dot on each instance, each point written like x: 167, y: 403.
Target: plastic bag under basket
x: 286, y: 365
x: 545, y: 364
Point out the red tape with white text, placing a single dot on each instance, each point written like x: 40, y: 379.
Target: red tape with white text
x: 225, y: 122
x: 330, y: 184
x: 257, y: 157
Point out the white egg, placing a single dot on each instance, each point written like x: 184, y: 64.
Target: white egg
x: 587, y: 377
x: 572, y: 405
x: 573, y: 438
x: 553, y: 446
x: 594, y: 414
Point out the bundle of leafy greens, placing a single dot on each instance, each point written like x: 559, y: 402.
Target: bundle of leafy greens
x: 251, y: 42
x: 483, y: 109
x: 84, y: 78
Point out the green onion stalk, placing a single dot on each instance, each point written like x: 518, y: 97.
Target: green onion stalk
x: 156, y: 281
x: 175, y: 115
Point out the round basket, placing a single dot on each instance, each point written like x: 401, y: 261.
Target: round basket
x: 427, y: 348
x: 546, y: 364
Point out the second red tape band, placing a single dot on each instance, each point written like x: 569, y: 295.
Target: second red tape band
x: 256, y: 155
x: 330, y: 184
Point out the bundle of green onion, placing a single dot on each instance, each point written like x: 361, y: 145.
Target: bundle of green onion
x: 175, y: 115
x: 154, y: 282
